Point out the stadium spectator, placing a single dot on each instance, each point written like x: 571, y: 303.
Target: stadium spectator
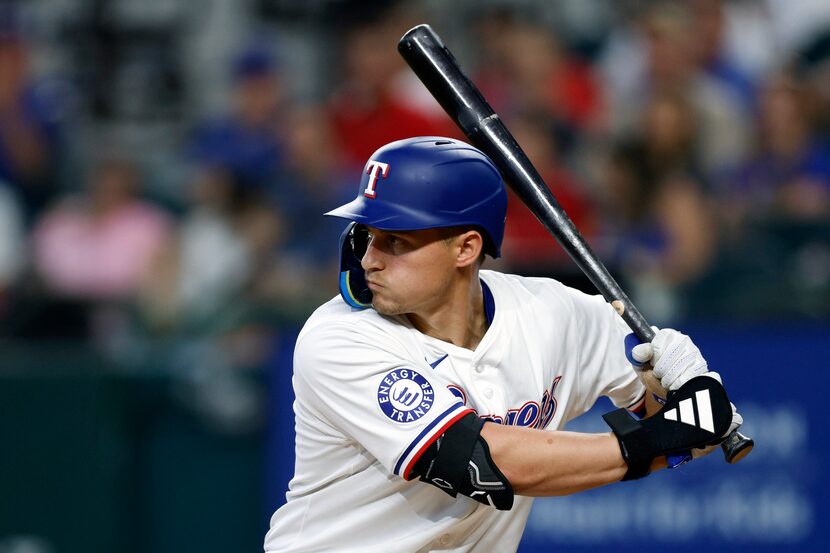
x: 709, y: 18
x: 491, y: 31
x: 670, y: 136
x: 99, y: 244
x: 658, y: 215
x: 366, y: 108
x: 788, y: 174
x: 659, y: 55
x: 248, y: 139
x: 545, y: 79
x: 524, y: 68
x: 811, y: 67
x: 314, y: 180
x: 529, y: 247
x: 297, y: 271
x: 29, y: 123
x: 208, y: 263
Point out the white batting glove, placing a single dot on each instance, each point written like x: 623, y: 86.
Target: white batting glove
x: 675, y: 359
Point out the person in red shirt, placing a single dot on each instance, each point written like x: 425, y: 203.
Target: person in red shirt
x: 524, y: 68
x: 532, y: 248
x: 368, y: 107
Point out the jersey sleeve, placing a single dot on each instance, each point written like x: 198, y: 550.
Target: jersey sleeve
x: 366, y: 386
x: 603, y: 367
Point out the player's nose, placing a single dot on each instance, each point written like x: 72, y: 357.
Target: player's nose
x: 373, y: 258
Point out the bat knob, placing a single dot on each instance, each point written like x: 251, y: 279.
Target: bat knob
x: 736, y: 447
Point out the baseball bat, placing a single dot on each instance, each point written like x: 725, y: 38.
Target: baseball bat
x: 437, y: 68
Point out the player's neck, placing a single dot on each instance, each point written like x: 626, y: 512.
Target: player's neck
x: 459, y: 318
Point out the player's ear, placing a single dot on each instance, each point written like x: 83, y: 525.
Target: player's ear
x: 470, y: 244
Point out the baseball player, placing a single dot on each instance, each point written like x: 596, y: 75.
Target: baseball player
x: 430, y: 393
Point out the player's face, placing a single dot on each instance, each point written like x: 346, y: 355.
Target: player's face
x: 408, y: 271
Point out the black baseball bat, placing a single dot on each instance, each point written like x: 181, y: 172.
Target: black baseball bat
x: 437, y: 68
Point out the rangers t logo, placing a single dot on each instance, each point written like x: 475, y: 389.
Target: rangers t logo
x: 374, y: 169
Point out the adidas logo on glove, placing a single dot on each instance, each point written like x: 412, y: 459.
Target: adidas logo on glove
x: 701, y: 404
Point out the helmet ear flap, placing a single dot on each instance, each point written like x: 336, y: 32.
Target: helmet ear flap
x: 353, y: 287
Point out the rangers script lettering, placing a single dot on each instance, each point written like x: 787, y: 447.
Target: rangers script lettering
x: 531, y: 414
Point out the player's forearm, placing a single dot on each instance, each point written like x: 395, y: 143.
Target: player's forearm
x: 539, y: 463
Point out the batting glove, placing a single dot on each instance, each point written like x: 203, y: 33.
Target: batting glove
x: 675, y: 359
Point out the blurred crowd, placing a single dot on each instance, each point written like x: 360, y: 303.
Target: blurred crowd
x: 688, y: 141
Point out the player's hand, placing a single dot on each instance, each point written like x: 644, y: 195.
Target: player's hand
x: 675, y: 358
x: 676, y: 432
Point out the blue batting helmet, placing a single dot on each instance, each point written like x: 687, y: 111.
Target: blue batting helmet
x: 420, y: 183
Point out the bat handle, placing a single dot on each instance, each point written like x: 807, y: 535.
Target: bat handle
x: 736, y: 446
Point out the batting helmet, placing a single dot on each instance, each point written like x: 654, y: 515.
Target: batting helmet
x: 420, y: 183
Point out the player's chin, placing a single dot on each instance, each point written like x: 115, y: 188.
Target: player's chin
x: 385, y: 306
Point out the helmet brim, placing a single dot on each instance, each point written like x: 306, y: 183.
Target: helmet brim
x: 389, y: 217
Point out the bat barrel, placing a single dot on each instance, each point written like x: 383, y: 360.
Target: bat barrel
x: 437, y: 68
x: 435, y: 65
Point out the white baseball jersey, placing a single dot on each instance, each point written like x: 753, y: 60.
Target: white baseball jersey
x: 372, y: 393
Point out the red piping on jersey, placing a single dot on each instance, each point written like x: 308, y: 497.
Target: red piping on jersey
x: 429, y: 442
x: 639, y: 408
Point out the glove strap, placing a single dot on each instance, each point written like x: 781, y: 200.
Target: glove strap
x: 633, y: 440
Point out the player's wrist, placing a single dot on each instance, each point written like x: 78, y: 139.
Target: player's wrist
x: 659, y: 463
x: 633, y: 442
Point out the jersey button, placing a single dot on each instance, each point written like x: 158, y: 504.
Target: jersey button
x: 445, y: 539
x: 479, y: 369
x: 488, y: 392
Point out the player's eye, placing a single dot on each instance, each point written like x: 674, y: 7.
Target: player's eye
x: 397, y: 244
x: 392, y: 244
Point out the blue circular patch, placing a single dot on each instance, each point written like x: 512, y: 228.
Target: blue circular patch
x: 405, y: 396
